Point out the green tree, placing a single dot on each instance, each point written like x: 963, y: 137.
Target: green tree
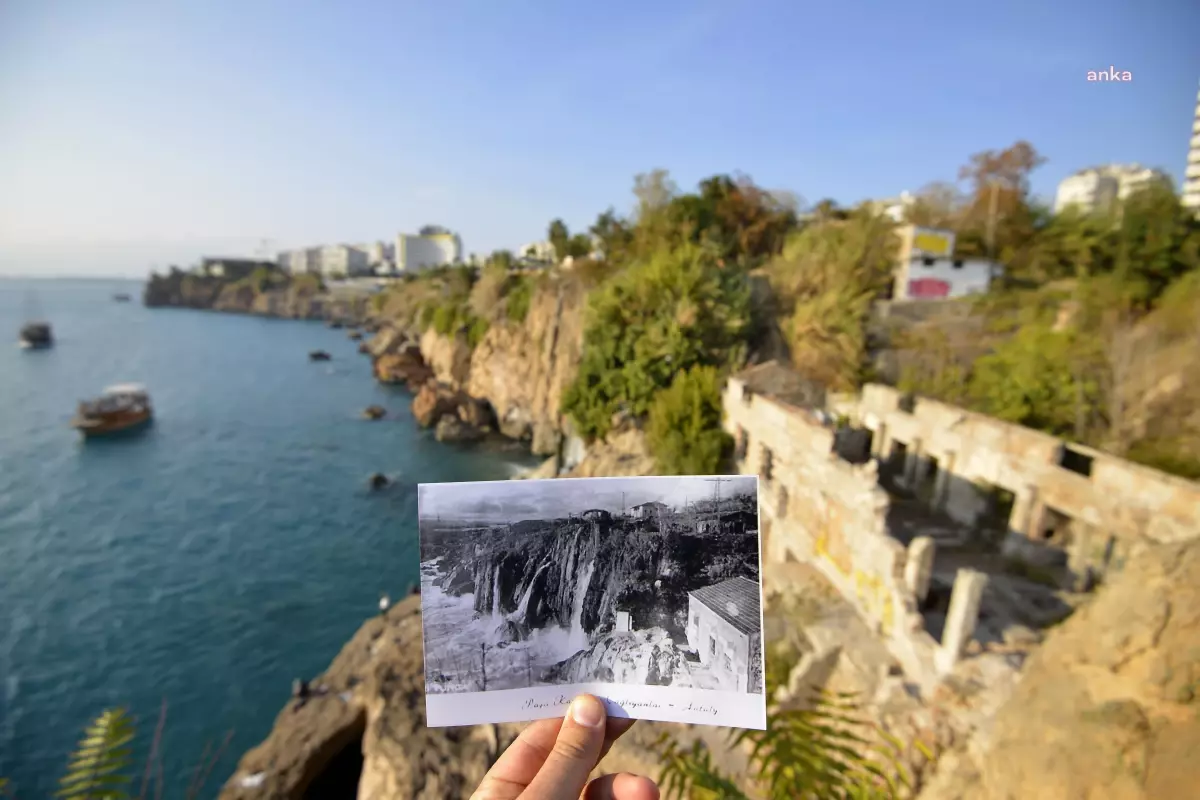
x: 662, y: 315
x: 684, y: 430
x: 824, y: 283
x: 560, y: 237
x: 614, y: 235
x: 579, y: 246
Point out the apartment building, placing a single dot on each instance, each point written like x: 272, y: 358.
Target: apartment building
x: 423, y: 251
x: 1100, y: 188
x: 1191, y: 176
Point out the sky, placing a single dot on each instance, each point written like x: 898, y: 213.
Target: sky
x: 512, y: 501
x: 136, y: 134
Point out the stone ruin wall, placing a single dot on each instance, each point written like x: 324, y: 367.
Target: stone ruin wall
x: 818, y: 508
x: 1115, y: 505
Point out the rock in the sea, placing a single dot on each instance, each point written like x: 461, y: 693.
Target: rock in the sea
x: 378, y: 481
x: 434, y: 401
x: 355, y: 335
x: 453, y: 429
x: 459, y: 581
x: 374, y: 412
x: 318, y: 355
x: 509, y: 631
x: 404, y: 366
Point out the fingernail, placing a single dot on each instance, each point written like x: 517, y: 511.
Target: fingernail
x: 587, y: 711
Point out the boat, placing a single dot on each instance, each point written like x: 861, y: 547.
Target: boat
x: 123, y: 407
x: 36, y: 335
x: 318, y: 355
x: 121, y: 297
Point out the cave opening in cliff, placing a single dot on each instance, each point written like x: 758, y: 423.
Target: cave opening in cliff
x: 340, y: 773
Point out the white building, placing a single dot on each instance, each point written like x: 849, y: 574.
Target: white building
x: 926, y: 268
x: 417, y: 252
x: 1098, y: 188
x: 538, y: 251
x: 1191, y: 176
x: 342, y: 260
x: 893, y: 207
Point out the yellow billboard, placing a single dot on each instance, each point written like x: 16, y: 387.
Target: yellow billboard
x: 931, y: 242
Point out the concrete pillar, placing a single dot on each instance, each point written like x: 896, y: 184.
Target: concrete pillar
x: 962, y: 617
x: 1022, y: 510
x: 879, y: 442
x: 912, y: 458
x: 942, y: 482
x: 918, y: 568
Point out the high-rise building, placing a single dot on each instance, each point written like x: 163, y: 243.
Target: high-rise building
x: 1098, y: 188
x: 422, y: 251
x: 1191, y: 177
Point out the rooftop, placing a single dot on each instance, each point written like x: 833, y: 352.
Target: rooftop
x: 737, y: 601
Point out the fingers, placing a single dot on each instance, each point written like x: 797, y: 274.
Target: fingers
x: 621, y: 786
x: 517, y: 765
x: 574, y: 753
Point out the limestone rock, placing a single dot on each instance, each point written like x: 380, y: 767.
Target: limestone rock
x: 620, y: 453
x: 402, y: 365
x: 434, y: 401
x: 452, y: 429
x: 448, y: 356
x: 1108, y: 706
x: 374, y: 699
x: 522, y: 369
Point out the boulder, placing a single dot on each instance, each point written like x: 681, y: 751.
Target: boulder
x: 374, y: 412
x: 476, y: 413
x: 509, y: 631
x: 378, y: 481
x: 405, y: 366
x: 1108, y: 706
x: 434, y: 401
x: 318, y: 355
x: 452, y: 429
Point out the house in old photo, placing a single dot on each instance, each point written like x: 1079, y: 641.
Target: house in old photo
x: 649, y: 510
x: 725, y: 628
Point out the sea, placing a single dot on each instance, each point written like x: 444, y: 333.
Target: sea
x: 209, y: 560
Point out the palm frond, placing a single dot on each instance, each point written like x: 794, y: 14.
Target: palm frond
x: 96, y: 770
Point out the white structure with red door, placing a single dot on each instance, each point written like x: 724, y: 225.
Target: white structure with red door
x: 926, y: 268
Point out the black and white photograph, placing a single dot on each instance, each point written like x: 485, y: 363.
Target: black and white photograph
x: 644, y: 591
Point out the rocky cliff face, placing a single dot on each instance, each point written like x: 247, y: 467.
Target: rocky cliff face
x: 1108, y: 707
x: 283, y: 298
x: 523, y: 369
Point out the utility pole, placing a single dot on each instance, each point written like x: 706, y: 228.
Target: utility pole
x: 716, y: 482
x: 991, y: 221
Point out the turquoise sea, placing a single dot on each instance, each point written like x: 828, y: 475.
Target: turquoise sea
x: 229, y: 548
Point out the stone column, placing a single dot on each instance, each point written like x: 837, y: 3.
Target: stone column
x: 879, y: 442
x: 1022, y: 510
x: 912, y: 458
x: 961, y: 618
x: 918, y: 568
x: 942, y: 482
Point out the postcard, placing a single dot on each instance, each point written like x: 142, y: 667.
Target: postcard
x: 645, y: 592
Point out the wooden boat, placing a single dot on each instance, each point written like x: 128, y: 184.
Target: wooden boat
x: 36, y: 336
x: 124, y: 407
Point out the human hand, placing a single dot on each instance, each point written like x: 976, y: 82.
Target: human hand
x: 552, y: 758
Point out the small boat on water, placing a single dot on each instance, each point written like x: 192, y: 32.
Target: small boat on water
x: 121, y: 297
x: 318, y: 355
x: 36, y: 335
x: 124, y: 407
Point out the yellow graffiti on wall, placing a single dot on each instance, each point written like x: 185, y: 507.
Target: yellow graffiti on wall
x: 870, y: 590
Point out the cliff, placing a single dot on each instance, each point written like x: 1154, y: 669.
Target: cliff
x: 522, y: 369
x: 266, y: 293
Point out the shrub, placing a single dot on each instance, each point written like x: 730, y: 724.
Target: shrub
x: 519, y: 299
x: 476, y: 329
x: 684, y: 431
x: 814, y: 753
x: 443, y: 319
x: 676, y: 310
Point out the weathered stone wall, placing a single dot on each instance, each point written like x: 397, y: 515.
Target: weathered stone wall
x: 816, y: 507
x: 1119, y: 499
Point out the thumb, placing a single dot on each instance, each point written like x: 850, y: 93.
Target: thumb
x: 574, y: 755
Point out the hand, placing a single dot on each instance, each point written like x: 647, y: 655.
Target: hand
x: 552, y: 758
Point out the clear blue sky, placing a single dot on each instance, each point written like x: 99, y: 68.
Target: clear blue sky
x: 134, y: 133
